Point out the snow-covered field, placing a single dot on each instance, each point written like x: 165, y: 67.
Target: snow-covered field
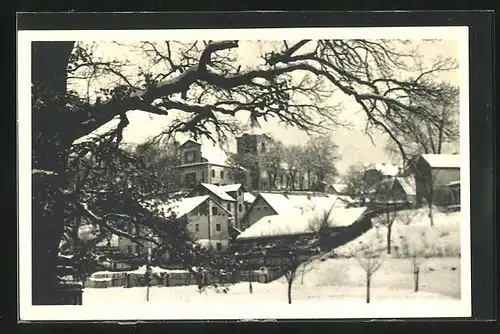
x: 333, y: 279
x: 411, y: 231
x: 341, y: 278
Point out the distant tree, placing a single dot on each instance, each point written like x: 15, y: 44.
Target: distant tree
x: 354, y: 179
x: 323, y: 157
x: 292, y: 158
x: 271, y: 161
x: 162, y: 159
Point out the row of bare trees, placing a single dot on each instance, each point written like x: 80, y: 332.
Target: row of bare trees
x: 294, y: 167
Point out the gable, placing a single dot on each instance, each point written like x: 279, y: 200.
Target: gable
x: 190, y: 143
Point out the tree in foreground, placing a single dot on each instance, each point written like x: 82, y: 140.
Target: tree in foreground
x: 416, y: 251
x: 370, y: 257
x: 205, y: 85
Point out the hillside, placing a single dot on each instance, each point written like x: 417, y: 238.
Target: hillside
x: 412, y: 232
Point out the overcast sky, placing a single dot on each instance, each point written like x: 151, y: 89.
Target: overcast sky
x: 354, y: 145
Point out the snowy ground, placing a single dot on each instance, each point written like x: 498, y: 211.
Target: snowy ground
x: 333, y: 279
x: 342, y: 278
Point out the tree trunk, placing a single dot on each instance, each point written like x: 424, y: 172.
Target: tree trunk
x: 290, y: 282
x: 368, y: 279
x: 50, y: 145
x: 389, y: 232
x: 416, y: 273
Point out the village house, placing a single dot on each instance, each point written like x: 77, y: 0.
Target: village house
x: 344, y: 224
x: 394, y: 190
x: 267, y: 204
x: 374, y: 173
x: 207, y: 220
x: 205, y: 167
x: 433, y: 172
x: 238, y: 192
x: 216, y: 194
x: 331, y: 188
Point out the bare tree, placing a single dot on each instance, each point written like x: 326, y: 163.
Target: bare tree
x: 387, y: 218
x: 369, y: 256
x: 293, y: 154
x: 416, y: 252
x: 354, y: 178
x: 323, y: 157
x: 272, y: 160
x: 430, y: 135
x: 204, y: 82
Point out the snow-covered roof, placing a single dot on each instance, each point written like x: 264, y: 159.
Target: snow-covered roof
x: 340, y: 187
x: 248, y: 198
x: 298, y: 221
x: 386, y: 169
x: 408, y: 184
x: 190, y: 142
x: 442, y: 160
x: 281, y: 203
x: 216, y: 190
x: 183, y: 206
x: 343, y: 198
x: 231, y: 187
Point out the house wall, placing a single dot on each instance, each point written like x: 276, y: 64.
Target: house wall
x: 215, y: 176
x: 259, y: 209
x: 239, y: 207
x: 190, y: 150
x: 126, y: 246
x: 202, y: 223
x: 443, y: 176
x: 201, y: 191
x: 201, y: 171
x: 428, y: 179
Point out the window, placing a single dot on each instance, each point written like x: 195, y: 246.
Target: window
x: 190, y: 156
x: 258, y: 208
x: 262, y: 148
x: 214, y: 210
x: 213, y: 173
x: 218, y: 227
x: 190, y: 178
x: 221, y: 174
x: 202, y: 176
x: 197, y: 227
x: 138, y: 249
x: 219, y: 246
x: 229, y: 207
x: 129, y: 249
x: 240, y: 207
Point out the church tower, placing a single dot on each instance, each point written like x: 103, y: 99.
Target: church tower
x: 251, y: 144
